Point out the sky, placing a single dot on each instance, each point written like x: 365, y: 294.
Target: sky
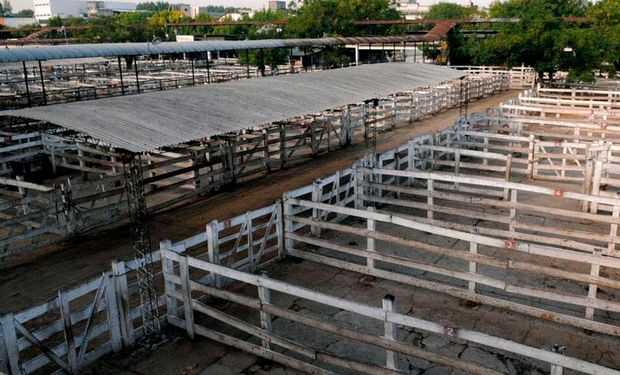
x: 256, y: 4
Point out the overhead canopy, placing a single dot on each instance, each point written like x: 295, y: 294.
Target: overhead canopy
x: 72, y: 51
x: 149, y: 121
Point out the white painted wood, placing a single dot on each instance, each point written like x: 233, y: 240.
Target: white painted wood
x: 390, y: 331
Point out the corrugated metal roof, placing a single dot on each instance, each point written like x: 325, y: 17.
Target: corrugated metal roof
x: 153, y: 120
x: 70, y: 51
x: 61, y: 62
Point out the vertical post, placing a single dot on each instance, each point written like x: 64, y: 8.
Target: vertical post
x: 429, y: 199
x: 371, y: 225
x: 26, y: 83
x: 42, y: 83
x: 317, y: 197
x: 287, y: 211
x: 473, y: 266
x: 280, y: 228
x: 530, y: 157
x: 191, y: 60
x: 135, y: 68
x: 262, y: 62
x: 120, y: 73
x: 213, y: 247
x: 557, y: 369
x: 113, y: 313
x: 65, y: 318
x: 390, y: 330
x: 282, y: 146
x: 247, y: 62
x: 122, y: 301
x: 369, y: 49
x: 209, y: 70
x: 507, y: 173
x: 357, y: 54
x: 513, y: 212
x: 169, y: 286
x: 265, y: 319
x: 186, y: 292
x: 9, y: 336
x: 358, y: 189
x: 596, y: 184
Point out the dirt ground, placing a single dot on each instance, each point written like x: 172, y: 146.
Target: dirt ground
x: 87, y: 256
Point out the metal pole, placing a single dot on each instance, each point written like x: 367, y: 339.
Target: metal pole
x: 247, y: 61
x: 405, y: 51
x: 208, y: 70
x: 369, y: 48
x: 415, y: 52
x: 26, y: 82
x: 302, y: 60
x: 262, y: 62
x: 191, y: 60
x: 42, y: 83
x: 135, y: 68
x: 120, y: 72
x: 394, y: 52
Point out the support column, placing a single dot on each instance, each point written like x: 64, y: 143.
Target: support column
x: 120, y: 73
x: 26, y: 82
x: 193, y: 76
x: 357, y: 55
x: 42, y: 83
x: 390, y: 331
x: 247, y: 62
x: 208, y: 70
x: 135, y: 68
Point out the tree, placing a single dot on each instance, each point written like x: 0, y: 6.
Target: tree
x: 447, y: 11
x: 541, y: 38
x: 318, y: 18
x: 8, y: 8
x: 605, y: 16
x: 152, y: 6
x: 26, y: 13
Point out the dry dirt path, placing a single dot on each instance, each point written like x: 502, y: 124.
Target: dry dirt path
x: 89, y: 255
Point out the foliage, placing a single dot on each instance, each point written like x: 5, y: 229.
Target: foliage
x: 318, y: 18
x: 268, y: 57
x: 541, y: 38
x: 152, y: 6
x: 605, y: 19
x: 7, y: 8
x: 455, y: 49
x: 219, y: 9
x: 446, y: 11
x: 26, y: 13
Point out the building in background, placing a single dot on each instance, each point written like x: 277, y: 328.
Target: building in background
x: 412, y: 9
x: 186, y: 9
x: 46, y: 9
x: 103, y: 8
x: 277, y: 5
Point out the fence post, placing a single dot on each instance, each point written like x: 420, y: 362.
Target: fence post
x: 371, y: 225
x: 279, y: 228
x: 122, y: 301
x: 530, y: 157
x: 265, y: 319
x: 282, y: 146
x: 429, y: 199
x: 507, y: 174
x: 186, y: 292
x: 287, y: 211
x: 557, y: 369
x: 593, y: 288
x: 317, y: 197
x: 113, y: 313
x: 596, y: 183
x: 390, y: 330
x: 169, y: 286
x: 513, y: 212
x: 473, y: 266
x: 213, y: 248
x: 10, y: 352
x: 65, y: 317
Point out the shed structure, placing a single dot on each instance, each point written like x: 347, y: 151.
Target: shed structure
x: 154, y: 120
